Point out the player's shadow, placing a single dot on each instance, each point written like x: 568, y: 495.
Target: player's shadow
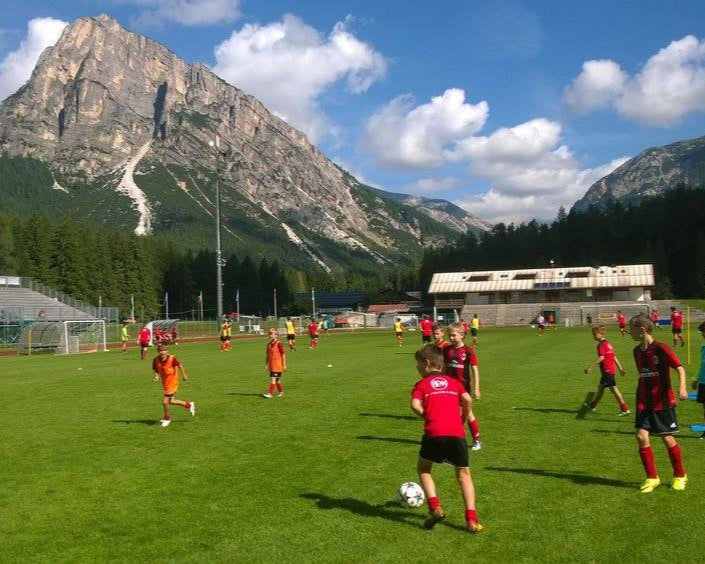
x: 631, y: 434
x: 139, y: 421
x: 391, y: 510
x: 390, y: 416
x: 245, y: 394
x: 388, y: 439
x: 578, y: 478
x: 547, y: 409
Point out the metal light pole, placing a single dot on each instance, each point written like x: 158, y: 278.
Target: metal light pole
x: 218, y: 250
x: 275, y: 304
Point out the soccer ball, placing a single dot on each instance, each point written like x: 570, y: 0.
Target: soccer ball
x: 411, y: 494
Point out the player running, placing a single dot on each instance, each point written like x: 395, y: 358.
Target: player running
x: 475, y: 325
x: 656, y: 403
x: 426, y: 326
x: 459, y: 360
x: 398, y: 330
x: 540, y: 323
x: 677, y: 326
x: 607, y: 361
x: 290, y: 334
x: 226, y: 332
x: 654, y: 318
x: 143, y: 338
x: 166, y: 368
x: 275, y: 361
x: 313, y: 334
x: 124, y: 337
x: 622, y: 321
x: 435, y: 398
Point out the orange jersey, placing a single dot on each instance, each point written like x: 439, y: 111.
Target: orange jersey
x: 275, y: 356
x: 168, y: 372
x: 441, y: 344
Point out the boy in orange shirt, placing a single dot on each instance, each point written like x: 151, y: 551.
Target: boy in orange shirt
x: 275, y: 361
x: 166, y: 368
x: 439, y: 337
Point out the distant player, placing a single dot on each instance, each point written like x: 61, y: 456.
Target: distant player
x: 166, y: 368
x: 699, y: 384
x: 608, y: 361
x: 551, y: 320
x: 226, y: 332
x: 540, y: 323
x: 435, y: 398
x: 588, y: 319
x: 475, y: 329
x: 143, y: 339
x: 622, y: 321
x: 439, y: 337
x: 174, y: 335
x: 460, y: 362
x: 313, y: 334
x: 275, y: 361
x: 677, y: 326
x: 398, y: 330
x: 656, y: 403
x: 465, y: 326
x: 654, y: 318
x: 290, y: 333
x: 426, y: 326
x: 124, y: 337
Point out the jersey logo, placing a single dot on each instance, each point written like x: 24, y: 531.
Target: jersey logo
x: 655, y: 360
x: 439, y: 384
x: 673, y: 425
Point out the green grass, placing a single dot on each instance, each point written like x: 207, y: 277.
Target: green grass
x: 86, y: 474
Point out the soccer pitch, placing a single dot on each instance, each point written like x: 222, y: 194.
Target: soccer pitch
x: 86, y: 472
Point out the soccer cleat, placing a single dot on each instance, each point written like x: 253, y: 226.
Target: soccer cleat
x: 267, y: 395
x: 434, y: 516
x: 280, y: 394
x: 650, y: 484
x: 166, y: 422
x: 588, y: 407
x: 476, y: 445
x: 192, y: 409
x: 623, y: 413
x: 679, y: 483
x: 475, y: 527
x: 702, y: 437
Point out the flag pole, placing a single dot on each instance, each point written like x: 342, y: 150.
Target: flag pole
x: 687, y: 329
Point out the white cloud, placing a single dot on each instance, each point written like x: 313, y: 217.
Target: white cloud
x: 529, y: 173
x: 17, y: 66
x: 430, y: 185
x: 288, y: 64
x: 400, y: 135
x: 185, y: 12
x: 670, y: 85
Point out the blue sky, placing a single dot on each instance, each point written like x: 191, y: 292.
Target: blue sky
x: 509, y: 108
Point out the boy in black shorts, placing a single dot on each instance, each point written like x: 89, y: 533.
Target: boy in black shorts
x: 656, y: 402
x: 435, y: 398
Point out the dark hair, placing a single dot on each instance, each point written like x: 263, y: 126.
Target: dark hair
x: 642, y: 320
x: 436, y: 326
x: 701, y: 327
x: 432, y: 354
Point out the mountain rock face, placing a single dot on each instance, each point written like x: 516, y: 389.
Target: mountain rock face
x: 119, y: 130
x: 650, y: 173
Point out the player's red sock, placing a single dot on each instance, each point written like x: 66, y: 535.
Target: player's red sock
x: 647, y: 459
x: 433, y: 503
x: 280, y: 388
x: 271, y: 389
x: 471, y: 515
x: 624, y: 407
x: 593, y: 404
x: 187, y: 405
x: 474, y: 427
x: 674, y: 453
x: 167, y: 418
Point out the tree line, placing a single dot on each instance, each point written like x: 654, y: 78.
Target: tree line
x: 667, y: 231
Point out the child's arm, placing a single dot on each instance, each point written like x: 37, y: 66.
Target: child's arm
x: 417, y: 407
x: 466, y: 405
x: 682, y: 388
x: 476, y: 382
x: 184, y: 377
x: 598, y: 361
x: 619, y: 366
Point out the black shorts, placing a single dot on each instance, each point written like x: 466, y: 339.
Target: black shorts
x: 425, y: 338
x: 224, y: 339
x: 290, y: 337
x: 676, y: 331
x: 275, y: 374
x: 657, y: 422
x: 701, y: 393
x: 473, y: 332
x: 144, y: 345
x: 398, y: 333
x: 451, y: 450
x: 170, y: 396
x: 608, y: 381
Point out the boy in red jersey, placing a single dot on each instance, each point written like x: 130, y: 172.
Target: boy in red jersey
x: 313, y: 334
x: 607, y: 361
x: 622, y: 323
x: 166, y: 368
x: 435, y: 398
x: 439, y: 337
x: 275, y: 361
x: 656, y: 403
x: 464, y: 325
x: 144, y: 338
x: 460, y: 359
x: 426, y: 326
x: 654, y: 318
x: 677, y: 326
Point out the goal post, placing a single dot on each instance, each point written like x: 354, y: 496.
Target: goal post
x: 62, y: 337
x: 606, y: 312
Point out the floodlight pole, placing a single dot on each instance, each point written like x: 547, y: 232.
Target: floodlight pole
x: 218, y: 250
x: 275, y: 304
x: 166, y: 304
x: 313, y: 303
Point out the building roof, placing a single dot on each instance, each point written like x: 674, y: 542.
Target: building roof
x: 573, y: 277
x: 387, y: 308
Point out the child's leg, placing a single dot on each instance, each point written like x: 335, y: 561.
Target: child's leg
x: 598, y: 397
x: 474, y: 427
x: 272, y: 385
x: 424, y: 468
x: 646, y: 454
x: 467, y: 489
x: 174, y: 401
x: 165, y: 404
x: 674, y: 453
x: 620, y: 400
x: 280, y: 388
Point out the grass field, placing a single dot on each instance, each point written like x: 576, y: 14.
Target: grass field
x: 86, y: 473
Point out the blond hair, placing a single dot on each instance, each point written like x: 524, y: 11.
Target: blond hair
x: 642, y: 320
x: 598, y: 329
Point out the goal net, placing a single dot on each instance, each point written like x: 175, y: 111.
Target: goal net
x: 607, y: 313
x: 62, y: 337
x: 300, y: 324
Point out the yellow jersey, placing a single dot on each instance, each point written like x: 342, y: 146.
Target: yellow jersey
x: 290, y: 329
x: 475, y: 323
x: 398, y: 327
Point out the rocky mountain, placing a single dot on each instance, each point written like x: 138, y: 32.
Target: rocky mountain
x: 114, y: 128
x: 650, y: 173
